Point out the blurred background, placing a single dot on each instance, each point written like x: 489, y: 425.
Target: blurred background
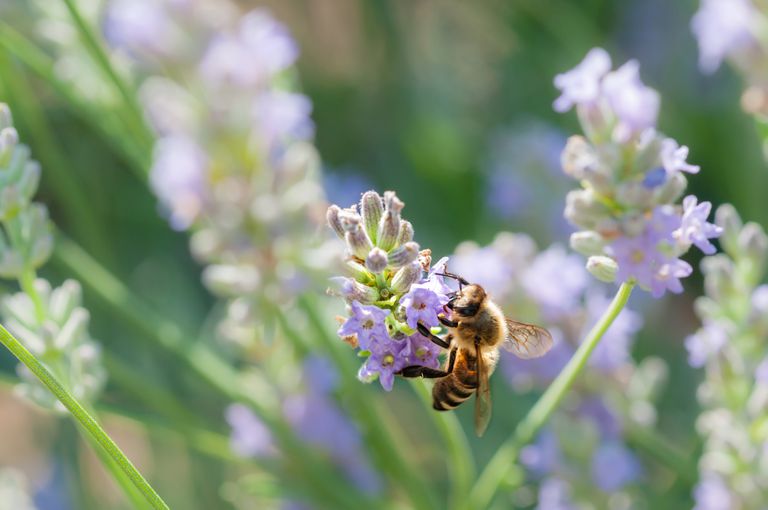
x: 449, y: 103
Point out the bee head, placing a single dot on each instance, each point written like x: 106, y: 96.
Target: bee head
x: 467, y: 301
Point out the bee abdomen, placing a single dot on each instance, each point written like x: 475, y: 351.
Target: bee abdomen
x: 449, y: 393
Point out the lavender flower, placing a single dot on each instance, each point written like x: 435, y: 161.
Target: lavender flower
x: 723, y: 28
x: 731, y: 346
x: 631, y: 177
x: 387, y: 293
x: 316, y: 418
x: 614, y: 466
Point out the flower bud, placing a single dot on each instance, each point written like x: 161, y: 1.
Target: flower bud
x: 376, y: 261
x: 72, y: 329
x: 372, y: 209
x: 332, y: 216
x: 719, y: 277
x: 578, y: 158
x: 587, y: 242
x: 64, y: 300
x: 358, y: 243
x: 603, y: 268
x: 8, y: 140
x: 405, y: 277
x: 352, y: 290
x: 389, y: 226
x: 404, y: 254
x: 359, y: 272
x: 672, y: 189
x: 582, y: 209
x: 406, y: 232
x: 753, y: 244
x: 6, y: 119
x: 728, y: 219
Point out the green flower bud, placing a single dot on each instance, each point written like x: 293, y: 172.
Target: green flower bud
x: 587, y: 242
x: 372, y: 209
x: 406, y: 232
x: 376, y: 260
x: 389, y: 226
x: 603, y: 268
x: 332, y: 216
x: 672, y: 189
x: 728, y: 219
x: 753, y: 245
x: 405, y: 277
x: 404, y: 254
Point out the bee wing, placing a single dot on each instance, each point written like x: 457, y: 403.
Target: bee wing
x: 483, y: 397
x: 526, y: 340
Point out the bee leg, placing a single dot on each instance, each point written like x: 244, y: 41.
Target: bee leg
x: 445, y: 321
x: 434, y: 338
x: 420, y: 371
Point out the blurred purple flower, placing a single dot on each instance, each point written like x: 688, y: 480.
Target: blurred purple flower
x: 722, y: 27
x: 485, y: 266
x: 260, y: 48
x: 614, y: 466
x: 556, y: 280
x: 554, y: 494
x: 605, y: 420
x: 614, y: 349
x: 705, y: 343
x: 673, y: 158
x: 139, y: 26
x: 367, y: 323
x: 250, y: 437
x: 436, y: 283
x: 543, y: 456
x: 282, y: 117
x: 422, y: 305
x: 761, y: 372
x: 635, y: 105
x: 178, y: 178
x: 711, y: 493
x: 695, y: 228
x: 581, y: 85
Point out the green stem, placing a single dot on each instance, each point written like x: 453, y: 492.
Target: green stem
x: 27, y: 284
x: 461, y: 465
x: 503, y: 462
x: 96, y: 49
x: 82, y: 416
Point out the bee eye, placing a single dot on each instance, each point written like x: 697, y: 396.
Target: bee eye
x: 466, y: 311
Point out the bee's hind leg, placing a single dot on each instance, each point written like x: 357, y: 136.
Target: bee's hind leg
x: 427, y: 372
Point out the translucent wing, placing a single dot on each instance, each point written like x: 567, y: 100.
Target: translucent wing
x: 483, y: 397
x: 526, y: 340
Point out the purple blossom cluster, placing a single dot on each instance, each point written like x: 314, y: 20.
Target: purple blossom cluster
x: 732, y: 348
x: 233, y: 161
x: 315, y: 417
x: 391, y: 288
x: 631, y: 226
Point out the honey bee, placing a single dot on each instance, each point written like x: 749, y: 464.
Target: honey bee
x: 476, y: 329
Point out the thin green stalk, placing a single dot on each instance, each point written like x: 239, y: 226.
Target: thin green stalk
x: 82, y: 416
x: 459, y: 458
x: 387, y: 446
x: 505, y: 458
x: 95, y: 47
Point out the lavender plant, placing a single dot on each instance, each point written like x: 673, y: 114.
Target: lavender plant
x: 731, y: 349
x: 552, y: 287
x: 232, y: 162
x: 51, y: 321
x: 391, y: 288
x: 631, y: 176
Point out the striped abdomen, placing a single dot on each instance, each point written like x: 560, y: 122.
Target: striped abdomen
x: 453, y: 389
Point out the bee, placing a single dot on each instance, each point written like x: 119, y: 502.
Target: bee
x: 476, y: 329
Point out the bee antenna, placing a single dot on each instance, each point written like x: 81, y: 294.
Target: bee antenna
x: 456, y: 277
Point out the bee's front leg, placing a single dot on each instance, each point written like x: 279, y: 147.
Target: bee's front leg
x: 434, y: 338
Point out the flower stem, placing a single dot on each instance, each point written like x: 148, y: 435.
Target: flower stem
x: 82, y: 416
x: 503, y: 462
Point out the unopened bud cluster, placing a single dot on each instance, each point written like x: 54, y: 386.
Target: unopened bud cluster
x: 51, y: 323
x: 732, y: 347
x: 631, y: 224
x: 387, y: 290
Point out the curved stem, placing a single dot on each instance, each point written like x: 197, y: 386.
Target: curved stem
x: 503, y: 462
x: 82, y: 416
